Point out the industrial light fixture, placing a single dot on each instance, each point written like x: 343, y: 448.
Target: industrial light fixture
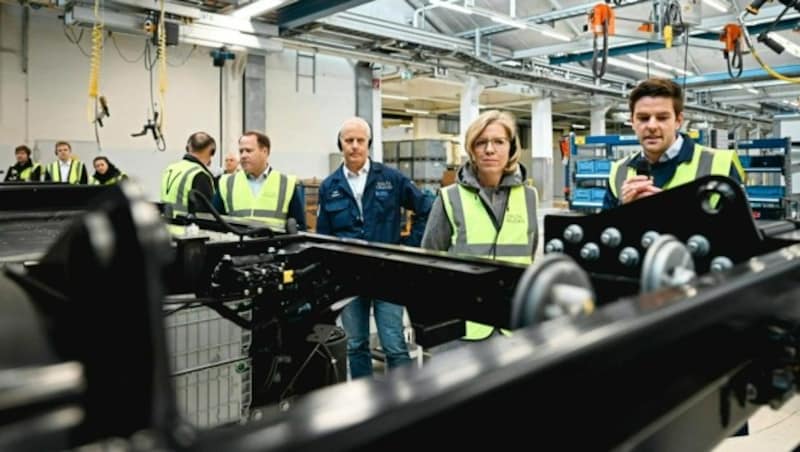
x: 501, y: 19
x: 578, y: 126
x: 661, y: 65
x: 256, y: 8
x: 417, y: 112
x: 637, y: 68
x: 451, y: 6
x: 393, y: 96
x: 750, y: 89
x: 719, y: 5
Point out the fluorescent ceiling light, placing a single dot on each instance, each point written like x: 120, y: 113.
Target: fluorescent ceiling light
x: 451, y: 6
x: 552, y: 33
x: 256, y: 8
x: 513, y: 63
x: 508, y: 21
x: 661, y: 65
x: 578, y: 126
x: 417, y: 112
x: 750, y: 90
x: 719, y: 5
x: 393, y: 96
x: 637, y: 68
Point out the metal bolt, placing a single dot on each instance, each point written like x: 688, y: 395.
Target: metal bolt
x: 629, y: 256
x: 554, y: 246
x: 590, y: 251
x: 611, y: 237
x: 573, y: 233
x: 648, y: 238
x: 720, y: 264
x: 698, y: 245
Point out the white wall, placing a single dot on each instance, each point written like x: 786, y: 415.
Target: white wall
x: 302, y: 125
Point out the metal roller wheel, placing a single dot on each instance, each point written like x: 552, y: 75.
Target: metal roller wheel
x: 667, y: 263
x: 554, y: 287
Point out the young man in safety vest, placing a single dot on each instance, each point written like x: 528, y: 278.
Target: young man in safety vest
x: 258, y: 191
x: 191, y: 173
x: 673, y: 158
x: 25, y: 170
x: 67, y: 168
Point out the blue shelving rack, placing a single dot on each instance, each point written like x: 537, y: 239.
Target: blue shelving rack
x: 774, y: 200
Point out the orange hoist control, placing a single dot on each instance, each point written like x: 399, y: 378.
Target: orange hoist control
x: 601, y: 15
x: 730, y: 35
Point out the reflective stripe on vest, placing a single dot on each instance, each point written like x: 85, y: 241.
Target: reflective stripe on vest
x: 271, y: 206
x: 74, y: 172
x: 704, y: 161
x: 176, y: 183
x: 474, y: 233
x: 25, y: 175
x: 112, y: 181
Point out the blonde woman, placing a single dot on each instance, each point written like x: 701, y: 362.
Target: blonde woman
x: 489, y: 212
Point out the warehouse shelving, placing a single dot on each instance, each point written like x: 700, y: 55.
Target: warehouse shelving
x: 590, y: 163
x: 768, y: 164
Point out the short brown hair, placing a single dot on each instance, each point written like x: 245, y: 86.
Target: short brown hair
x: 262, y: 139
x: 63, y: 143
x: 479, y: 125
x: 658, y: 87
x: 23, y: 148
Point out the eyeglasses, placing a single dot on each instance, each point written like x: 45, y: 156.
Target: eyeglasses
x: 497, y: 143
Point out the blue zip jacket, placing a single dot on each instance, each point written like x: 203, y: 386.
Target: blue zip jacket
x: 385, y: 192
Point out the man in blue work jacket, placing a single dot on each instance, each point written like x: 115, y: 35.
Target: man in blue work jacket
x: 670, y: 158
x: 362, y: 199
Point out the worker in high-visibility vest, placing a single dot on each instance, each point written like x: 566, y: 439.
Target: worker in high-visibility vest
x: 105, y: 172
x: 489, y: 212
x: 190, y: 173
x: 25, y: 170
x: 258, y: 191
x: 67, y: 168
x: 668, y: 158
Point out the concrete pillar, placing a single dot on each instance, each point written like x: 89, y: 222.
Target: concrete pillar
x: 598, y: 119
x: 234, y: 105
x: 542, y: 146
x: 377, y: 117
x: 365, y: 105
x: 470, y: 110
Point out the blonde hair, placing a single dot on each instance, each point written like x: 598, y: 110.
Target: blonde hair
x: 481, y: 123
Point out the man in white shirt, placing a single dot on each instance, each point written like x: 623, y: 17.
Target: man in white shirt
x: 67, y: 168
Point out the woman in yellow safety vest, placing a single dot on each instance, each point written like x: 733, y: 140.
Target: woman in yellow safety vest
x: 489, y: 212
x: 106, y: 173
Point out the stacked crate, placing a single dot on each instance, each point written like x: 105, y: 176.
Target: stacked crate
x: 311, y: 187
x: 424, y: 161
x: 209, y: 364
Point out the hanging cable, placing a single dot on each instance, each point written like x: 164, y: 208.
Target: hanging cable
x: 731, y: 36
x: 601, y: 22
x: 162, y: 69
x: 766, y: 39
x: 93, y: 106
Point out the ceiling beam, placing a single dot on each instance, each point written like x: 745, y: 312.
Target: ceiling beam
x: 748, y: 75
x: 307, y: 11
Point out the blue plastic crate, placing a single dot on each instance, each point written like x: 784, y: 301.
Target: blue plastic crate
x: 582, y: 194
x: 598, y: 194
x: 585, y: 166
x: 765, y: 191
x: 602, y: 166
x: 745, y: 159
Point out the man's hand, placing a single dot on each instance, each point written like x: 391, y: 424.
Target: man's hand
x: 638, y: 187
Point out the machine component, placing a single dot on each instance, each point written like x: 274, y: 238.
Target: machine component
x: 698, y: 245
x: 554, y: 246
x: 648, y: 238
x: 611, y: 237
x: 629, y: 256
x: 721, y: 263
x: 590, y: 251
x: 573, y: 233
x: 667, y: 263
x: 554, y: 287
